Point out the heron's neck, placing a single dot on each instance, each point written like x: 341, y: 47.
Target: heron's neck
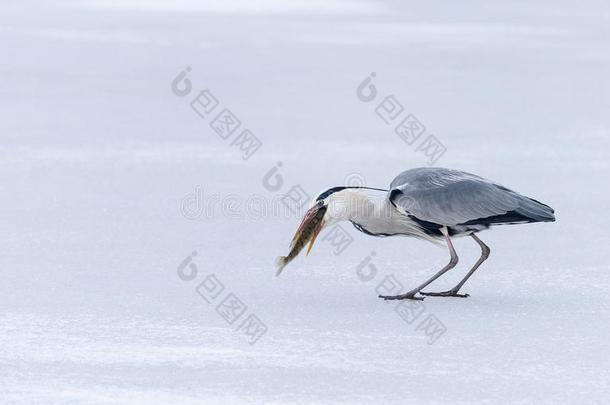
x: 357, y: 204
x: 372, y: 213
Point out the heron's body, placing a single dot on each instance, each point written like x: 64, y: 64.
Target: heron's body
x: 420, y: 202
x: 428, y: 203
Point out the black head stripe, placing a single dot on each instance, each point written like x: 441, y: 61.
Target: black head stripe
x: 329, y: 192
x: 333, y: 190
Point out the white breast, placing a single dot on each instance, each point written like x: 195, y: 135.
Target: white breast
x: 372, y: 212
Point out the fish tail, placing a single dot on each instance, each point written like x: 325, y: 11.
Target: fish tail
x: 280, y: 263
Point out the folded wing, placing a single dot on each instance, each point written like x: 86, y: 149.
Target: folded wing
x: 452, y: 197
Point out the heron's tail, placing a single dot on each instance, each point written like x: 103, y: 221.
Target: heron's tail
x: 535, y: 210
x: 280, y: 263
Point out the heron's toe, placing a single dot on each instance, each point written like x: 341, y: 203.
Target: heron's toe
x: 444, y: 294
x: 401, y: 297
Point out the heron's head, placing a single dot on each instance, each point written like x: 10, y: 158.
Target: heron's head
x: 330, y: 206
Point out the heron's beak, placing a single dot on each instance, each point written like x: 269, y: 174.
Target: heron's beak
x: 308, y: 230
x: 305, y: 222
x: 315, y: 235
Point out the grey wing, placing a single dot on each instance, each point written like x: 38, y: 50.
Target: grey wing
x: 451, y: 197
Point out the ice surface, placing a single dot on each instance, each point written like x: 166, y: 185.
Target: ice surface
x: 99, y: 157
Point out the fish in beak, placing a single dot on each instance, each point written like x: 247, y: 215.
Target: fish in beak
x: 308, y: 231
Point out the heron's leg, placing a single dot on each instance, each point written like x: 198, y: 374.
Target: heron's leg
x: 452, y: 262
x: 453, y: 292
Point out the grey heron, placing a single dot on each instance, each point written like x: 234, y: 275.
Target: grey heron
x: 430, y: 203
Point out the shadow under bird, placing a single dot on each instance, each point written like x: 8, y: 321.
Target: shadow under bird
x: 430, y: 203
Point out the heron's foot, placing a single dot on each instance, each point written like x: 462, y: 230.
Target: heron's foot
x: 407, y: 296
x: 449, y: 293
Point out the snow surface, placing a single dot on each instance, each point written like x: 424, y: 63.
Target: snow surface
x: 99, y: 158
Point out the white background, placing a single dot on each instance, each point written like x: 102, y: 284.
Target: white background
x: 97, y: 154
